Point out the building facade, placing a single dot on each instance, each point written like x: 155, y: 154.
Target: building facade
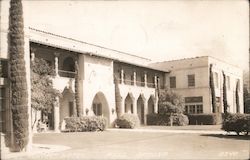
x: 190, y: 78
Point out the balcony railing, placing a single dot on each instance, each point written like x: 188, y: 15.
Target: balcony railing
x: 68, y: 74
x: 151, y: 85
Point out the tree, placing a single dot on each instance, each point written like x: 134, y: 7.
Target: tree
x: 225, y: 104
x: 77, y: 94
x: 118, y: 101
x: 170, y: 102
x: 212, y: 88
x: 18, y: 81
x: 237, y: 97
x: 43, y: 95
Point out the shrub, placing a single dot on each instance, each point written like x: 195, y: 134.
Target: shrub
x: 206, y: 119
x: 180, y: 120
x: 165, y: 119
x: 128, y: 121
x: 237, y: 123
x: 85, y: 124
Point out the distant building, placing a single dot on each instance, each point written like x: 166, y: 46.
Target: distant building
x: 190, y: 78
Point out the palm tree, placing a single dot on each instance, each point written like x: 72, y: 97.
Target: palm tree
x: 18, y: 81
x: 77, y: 96
x: 118, y: 101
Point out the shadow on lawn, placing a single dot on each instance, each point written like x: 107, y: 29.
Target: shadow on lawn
x: 241, y: 137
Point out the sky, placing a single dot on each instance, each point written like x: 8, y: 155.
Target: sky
x: 159, y: 30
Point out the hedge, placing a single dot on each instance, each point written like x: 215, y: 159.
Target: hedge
x: 85, y: 124
x: 165, y: 119
x: 239, y: 123
x: 128, y: 121
x: 205, y: 119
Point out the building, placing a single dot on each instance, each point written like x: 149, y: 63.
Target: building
x: 190, y: 78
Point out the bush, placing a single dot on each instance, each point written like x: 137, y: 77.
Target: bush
x: 204, y: 119
x: 165, y: 119
x: 128, y: 121
x: 237, y: 123
x: 85, y: 124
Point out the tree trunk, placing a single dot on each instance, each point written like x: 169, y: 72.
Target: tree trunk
x: 79, y: 111
x: 18, y: 81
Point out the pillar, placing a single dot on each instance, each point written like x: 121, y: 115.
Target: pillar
x: 122, y: 76
x: 122, y: 105
x: 134, y: 106
x: 56, y: 63
x: 145, y: 79
x: 156, y: 105
x: 145, y: 111
x: 155, y: 81
x: 134, y: 78
x: 33, y: 50
x: 56, y: 115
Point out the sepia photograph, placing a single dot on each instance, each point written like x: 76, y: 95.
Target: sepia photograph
x: 124, y: 79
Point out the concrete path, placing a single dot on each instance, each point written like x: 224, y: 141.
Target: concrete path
x: 36, y: 149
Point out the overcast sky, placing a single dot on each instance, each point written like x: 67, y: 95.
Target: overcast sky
x: 159, y: 30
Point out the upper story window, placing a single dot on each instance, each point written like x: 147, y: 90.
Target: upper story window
x: 216, y: 77
x: 191, y: 80
x: 3, y: 68
x: 172, y: 82
x: 228, y: 82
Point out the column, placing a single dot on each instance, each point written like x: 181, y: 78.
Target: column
x: 156, y: 105
x: 134, y: 106
x: 155, y: 81
x: 56, y: 63
x: 122, y: 76
x: 145, y: 111
x: 33, y: 50
x: 145, y: 79
x: 122, y: 105
x: 134, y: 78
x: 56, y: 115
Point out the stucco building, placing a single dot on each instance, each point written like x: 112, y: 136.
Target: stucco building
x: 190, y: 78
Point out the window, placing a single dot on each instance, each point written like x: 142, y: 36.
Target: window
x: 191, y: 80
x: 172, y: 82
x: 216, y: 79
x: 228, y: 82
x: 3, y: 68
x: 193, y: 105
x: 238, y: 81
x: 97, y: 109
x: 199, y: 109
x: 194, y: 109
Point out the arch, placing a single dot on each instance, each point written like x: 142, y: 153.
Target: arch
x: 100, y: 106
x: 151, y: 102
x: 141, y: 108
x: 128, y: 103
x: 67, y: 104
x: 69, y: 64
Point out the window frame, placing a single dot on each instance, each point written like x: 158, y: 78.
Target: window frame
x: 191, y: 80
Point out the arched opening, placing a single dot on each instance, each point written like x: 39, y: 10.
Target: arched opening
x: 100, y: 106
x: 151, y: 105
x: 129, y: 103
x: 68, y: 68
x: 67, y: 105
x: 140, y: 108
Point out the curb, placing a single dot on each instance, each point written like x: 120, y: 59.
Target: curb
x: 168, y: 131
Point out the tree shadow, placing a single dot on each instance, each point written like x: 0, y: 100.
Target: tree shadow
x: 228, y: 136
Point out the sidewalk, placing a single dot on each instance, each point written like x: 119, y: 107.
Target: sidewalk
x: 198, y: 129
x: 36, y: 149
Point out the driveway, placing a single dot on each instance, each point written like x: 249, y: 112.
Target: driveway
x: 123, y: 144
